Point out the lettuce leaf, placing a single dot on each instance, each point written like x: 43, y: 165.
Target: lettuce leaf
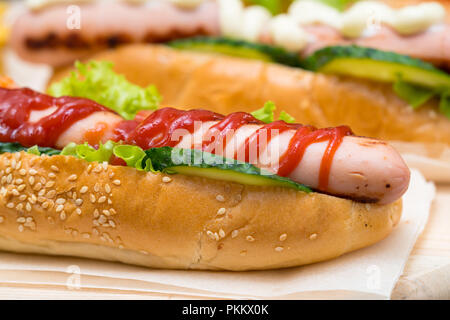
x: 286, y: 117
x: 134, y: 157
x: 265, y: 114
x: 340, y: 5
x: 414, y: 95
x: 88, y: 153
x: 444, y: 104
x: 97, y: 81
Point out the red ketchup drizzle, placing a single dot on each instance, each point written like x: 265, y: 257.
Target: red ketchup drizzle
x: 255, y: 139
x: 17, y: 104
x: 157, y: 129
x: 218, y: 132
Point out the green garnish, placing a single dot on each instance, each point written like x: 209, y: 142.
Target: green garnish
x: 88, y: 153
x: 265, y: 114
x: 97, y: 81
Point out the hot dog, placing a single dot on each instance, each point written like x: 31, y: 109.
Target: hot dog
x: 41, y: 35
x: 72, y: 203
x: 322, y: 159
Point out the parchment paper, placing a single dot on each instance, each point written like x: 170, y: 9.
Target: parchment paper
x: 369, y: 273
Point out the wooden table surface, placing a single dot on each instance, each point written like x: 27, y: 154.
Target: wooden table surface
x: 427, y: 272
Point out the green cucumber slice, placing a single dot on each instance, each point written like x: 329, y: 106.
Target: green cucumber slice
x: 376, y: 65
x: 238, y: 48
x: 204, y: 164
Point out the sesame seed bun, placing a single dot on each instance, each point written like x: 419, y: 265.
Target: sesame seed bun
x: 61, y: 205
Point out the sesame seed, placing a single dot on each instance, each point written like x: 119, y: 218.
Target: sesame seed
x: 89, y: 168
x: 43, y: 180
x: 2, y: 218
x: 32, y: 172
x: 112, y: 223
x: 8, y: 170
x: 96, y: 213
x: 22, y: 172
x: 59, y: 208
x: 92, y: 198
x: 107, y: 188
x: 117, y: 182
x: 97, y: 187
x: 42, y: 192
x: 10, y: 205
x: 19, y: 164
x: 60, y: 201
x: 221, y: 211
x: 54, y: 168
x: 234, y: 234
x: 109, y: 201
x: 41, y: 199
x: 23, y: 197
x: 9, y: 178
x: 21, y: 220
x: 28, y: 207
x: 283, y: 237
x: 79, y: 202
x: 166, y: 179
x: 221, y: 233
x: 31, y: 180
x: 112, y: 211
x: 51, y: 175
x: 32, y: 199
x: 220, y: 198
x: 216, y: 236
x: 37, y: 186
x: 101, y: 199
x: 45, y: 205
x: 106, y: 212
x: 62, y: 215
x: 111, y: 175
x: 313, y: 236
x: 51, y: 194
x: 78, y: 211
x: 250, y: 238
x: 210, y: 234
x: 84, y: 189
x: 18, y: 181
x: 19, y: 206
x: 15, y: 192
x: 50, y: 184
x: 13, y: 163
x: 97, y: 169
x: 279, y: 249
x: 74, y: 196
x: 20, y: 228
x: 105, y: 165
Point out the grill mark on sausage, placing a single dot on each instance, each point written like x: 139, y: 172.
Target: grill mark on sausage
x: 77, y: 42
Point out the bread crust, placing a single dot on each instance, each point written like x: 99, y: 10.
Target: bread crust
x: 226, y: 84
x: 57, y: 205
